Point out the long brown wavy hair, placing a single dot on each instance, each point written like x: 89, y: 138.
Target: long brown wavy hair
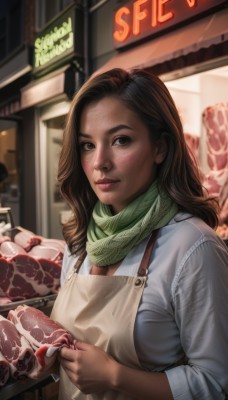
x: 149, y: 98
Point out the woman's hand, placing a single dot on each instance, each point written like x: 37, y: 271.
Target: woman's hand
x: 88, y: 367
x: 92, y: 370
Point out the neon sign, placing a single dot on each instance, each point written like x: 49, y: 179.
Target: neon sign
x: 55, y: 43
x: 141, y: 18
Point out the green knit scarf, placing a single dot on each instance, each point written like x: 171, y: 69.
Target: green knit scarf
x: 111, y: 237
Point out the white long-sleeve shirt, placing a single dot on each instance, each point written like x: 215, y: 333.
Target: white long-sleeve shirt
x: 184, y: 307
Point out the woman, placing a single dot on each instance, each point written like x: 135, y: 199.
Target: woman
x: 147, y: 300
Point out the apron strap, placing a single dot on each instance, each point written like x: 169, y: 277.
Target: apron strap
x: 142, y: 271
x: 80, y: 261
x: 144, y: 262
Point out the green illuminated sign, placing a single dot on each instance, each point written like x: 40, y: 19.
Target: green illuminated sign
x: 58, y: 41
x: 55, y: 43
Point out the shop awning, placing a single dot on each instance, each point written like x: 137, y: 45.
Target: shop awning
x: 201, y: 34
x: 43, y: 89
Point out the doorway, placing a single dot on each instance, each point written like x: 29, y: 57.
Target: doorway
x: 51, y: 205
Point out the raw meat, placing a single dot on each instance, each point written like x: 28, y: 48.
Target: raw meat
x: 56, y: 243
x: 42, y: 333
x: 6, y: 276
x: 193, y: 143
x: 27, y: 272
x: 52, y: 272
x: 22, y: 277
x: 9, y: 249
x: 50, y: 253
x: 4, y: 370
x: 4, y: 238
x: 215, y: 119
x: 16, y: 350
x: 4, y: 299
x: 26, y: 239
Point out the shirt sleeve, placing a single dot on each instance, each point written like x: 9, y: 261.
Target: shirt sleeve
x: 200, y: 301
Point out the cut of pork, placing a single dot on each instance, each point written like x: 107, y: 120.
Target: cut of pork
x: 16, y: 350
x: 193, y: 143
x: 52, y: 272
x: 22, y: 277
x: 4, y: 238
x: 6, y: 276
x: 42, y: 333
x: 4, y: 299
x: 215, y: 120
x: 9, y: 249
x: 4, y: 370
x: 26, y: 239
x: 55, y: 243
x: 48, y: 252
x: 27, y: 272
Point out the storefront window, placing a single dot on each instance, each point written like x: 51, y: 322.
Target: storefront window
x: 202, y: 101
x: 10, y: 26
x: 9, y: 171
x: 48, y: 9
x: 194, y: 95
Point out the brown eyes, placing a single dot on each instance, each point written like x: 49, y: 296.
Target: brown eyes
x: 119, y: 141
x: 85, y: 146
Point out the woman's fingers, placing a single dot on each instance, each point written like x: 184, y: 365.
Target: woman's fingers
x: 87, y: 366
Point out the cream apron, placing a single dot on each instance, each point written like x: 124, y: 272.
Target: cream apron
x: 101, y: 310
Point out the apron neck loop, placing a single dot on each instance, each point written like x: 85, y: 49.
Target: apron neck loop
x: 142, y: 271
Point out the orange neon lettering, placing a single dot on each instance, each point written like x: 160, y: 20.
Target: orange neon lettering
x: 162, y: 16
x: 154, y: 21
x: 138, y: 16
x: 191, y: 3
x: 121, y: 34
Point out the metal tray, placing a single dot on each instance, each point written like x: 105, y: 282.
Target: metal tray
x: 37, y: 302
x: 14, y: 389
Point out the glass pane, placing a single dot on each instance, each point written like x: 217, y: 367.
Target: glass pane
x: 15, y: 25
x: 56, y: 205
x: 202, y: 102
x: 9, y: 173
x: 51, y: 9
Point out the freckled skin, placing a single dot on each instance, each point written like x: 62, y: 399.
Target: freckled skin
x: 115, y: 145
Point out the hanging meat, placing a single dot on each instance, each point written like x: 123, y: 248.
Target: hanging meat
x: 215, y: 120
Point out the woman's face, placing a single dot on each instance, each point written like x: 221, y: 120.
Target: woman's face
x: 117, y: 154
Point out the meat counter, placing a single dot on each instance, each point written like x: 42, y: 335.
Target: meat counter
x: 24, y: 388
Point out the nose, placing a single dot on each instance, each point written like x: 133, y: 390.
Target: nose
x: 102, y: 158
